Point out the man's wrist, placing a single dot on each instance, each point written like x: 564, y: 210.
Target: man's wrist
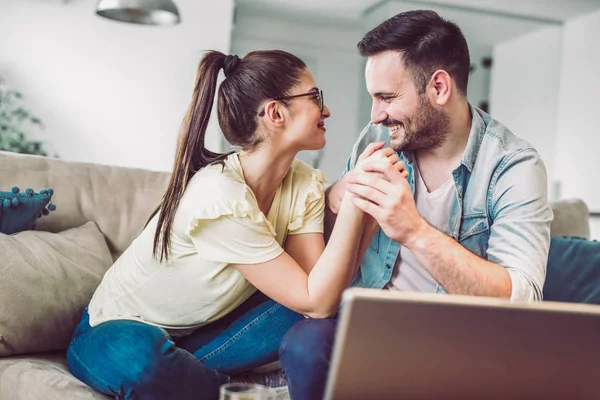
x: 422, y: 237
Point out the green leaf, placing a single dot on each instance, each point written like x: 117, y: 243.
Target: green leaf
x: 16, y: 123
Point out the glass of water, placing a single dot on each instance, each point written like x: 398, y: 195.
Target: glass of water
x: 246, y: 391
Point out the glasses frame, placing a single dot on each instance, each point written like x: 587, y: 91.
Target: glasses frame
x: 317, y: 93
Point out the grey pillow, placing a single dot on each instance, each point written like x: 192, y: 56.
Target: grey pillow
x: 46, y: 280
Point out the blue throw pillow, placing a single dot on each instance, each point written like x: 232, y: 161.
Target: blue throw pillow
x: 19, y: 211
x: 573, y: 273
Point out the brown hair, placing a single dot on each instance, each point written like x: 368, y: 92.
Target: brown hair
x: 249, y: 82
x: 426, y: 41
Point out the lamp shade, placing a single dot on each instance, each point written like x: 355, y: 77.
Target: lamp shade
x: 146, y: 12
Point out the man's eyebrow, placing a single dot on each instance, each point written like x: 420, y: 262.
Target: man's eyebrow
x: 379, y: 94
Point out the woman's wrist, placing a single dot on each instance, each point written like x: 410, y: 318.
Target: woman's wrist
x: 334, y: 196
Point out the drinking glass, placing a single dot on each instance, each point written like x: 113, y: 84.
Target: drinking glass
x: 246, y: 391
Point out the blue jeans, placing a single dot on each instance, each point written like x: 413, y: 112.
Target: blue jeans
x: 133, y: 360
x: 305, y: 354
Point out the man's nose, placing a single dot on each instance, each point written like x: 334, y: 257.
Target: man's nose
x: 378, y: 114
x: 326, y: 113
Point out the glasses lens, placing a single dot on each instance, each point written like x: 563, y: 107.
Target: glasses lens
x: 321, y: 100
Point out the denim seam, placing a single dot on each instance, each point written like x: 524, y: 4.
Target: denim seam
x: 474, y: 216
x: 494, y: 179
x: 497, y: 173
x: 483, y: 132
x: 475, y: 232
x: 249, y: 325
x: 493, y: 184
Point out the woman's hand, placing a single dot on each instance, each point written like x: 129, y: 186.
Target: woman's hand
x: 376, y: 153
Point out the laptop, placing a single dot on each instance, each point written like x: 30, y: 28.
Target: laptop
x: 394, y: 345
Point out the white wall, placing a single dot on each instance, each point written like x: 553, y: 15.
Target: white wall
x: 524, y: 90
x: 578, y: 134
x: 329, y: 50
x: 544, y: 88
x: 108, y: 92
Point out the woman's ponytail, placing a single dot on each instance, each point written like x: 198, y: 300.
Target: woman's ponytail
x: 192, y: 154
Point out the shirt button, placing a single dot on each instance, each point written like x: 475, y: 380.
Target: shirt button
x: 388, y: 266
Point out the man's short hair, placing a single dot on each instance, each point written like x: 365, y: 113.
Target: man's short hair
x: 426, y: 41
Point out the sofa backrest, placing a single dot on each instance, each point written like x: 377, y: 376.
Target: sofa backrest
x: 118, y: 199
x: 571, y: 218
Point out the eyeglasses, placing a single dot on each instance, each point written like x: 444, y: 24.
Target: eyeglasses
x: 318, y: 95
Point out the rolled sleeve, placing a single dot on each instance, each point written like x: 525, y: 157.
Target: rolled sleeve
x: 521, y: 217
x: 523, y: 288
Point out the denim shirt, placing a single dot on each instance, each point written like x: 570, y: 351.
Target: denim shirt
x: 500, y: 211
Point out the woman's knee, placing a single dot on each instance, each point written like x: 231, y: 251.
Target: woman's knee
x: 117, y: 357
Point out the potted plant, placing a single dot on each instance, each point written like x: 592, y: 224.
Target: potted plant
x: 16, y: 123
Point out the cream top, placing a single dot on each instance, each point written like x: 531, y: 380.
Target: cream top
x: 218, y: 223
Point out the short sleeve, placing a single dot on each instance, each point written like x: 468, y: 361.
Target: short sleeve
x: 309, y: 216
x: 233, y: 232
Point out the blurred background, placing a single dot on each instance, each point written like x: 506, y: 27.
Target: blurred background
x: 98, y: 90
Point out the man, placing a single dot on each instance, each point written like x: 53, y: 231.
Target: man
x: 471, y: 218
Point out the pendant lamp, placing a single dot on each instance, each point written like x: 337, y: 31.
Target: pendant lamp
x: 146, y: 12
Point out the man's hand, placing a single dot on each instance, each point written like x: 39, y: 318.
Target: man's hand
x: 373, y: 152
x: 384, y: 193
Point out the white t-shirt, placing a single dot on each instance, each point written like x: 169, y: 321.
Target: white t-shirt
x: 409, y: 275
x: 218, y: 223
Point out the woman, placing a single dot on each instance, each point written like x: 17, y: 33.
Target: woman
x: 179, y: 311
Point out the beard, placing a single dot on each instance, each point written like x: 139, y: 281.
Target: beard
x: 426, y: 129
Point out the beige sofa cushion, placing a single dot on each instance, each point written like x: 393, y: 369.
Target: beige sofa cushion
x: 46, y: 281
x: 44, y: 377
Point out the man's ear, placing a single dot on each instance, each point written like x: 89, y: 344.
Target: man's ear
x: 439, y: 87
x: 274, y: 112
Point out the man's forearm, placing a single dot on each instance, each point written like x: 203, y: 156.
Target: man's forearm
x: 458, y: 270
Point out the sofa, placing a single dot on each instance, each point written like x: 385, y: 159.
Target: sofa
x: 99, y: 211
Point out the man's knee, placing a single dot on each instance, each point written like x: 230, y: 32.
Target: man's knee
x: 308, y: 342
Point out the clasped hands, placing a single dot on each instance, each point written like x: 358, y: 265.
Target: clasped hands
x: 379, y: 187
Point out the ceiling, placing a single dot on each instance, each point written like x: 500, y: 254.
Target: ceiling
x: 551, y: 11
x: 343, y: 9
